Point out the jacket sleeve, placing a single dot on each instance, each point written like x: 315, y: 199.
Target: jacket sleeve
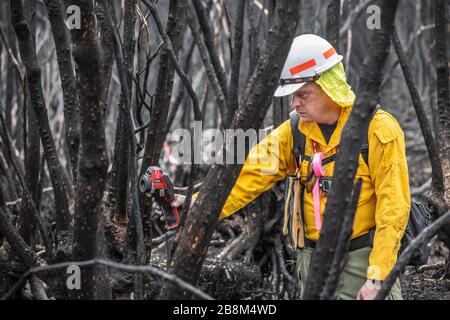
x: 389, y: 173
x: 268, y: 162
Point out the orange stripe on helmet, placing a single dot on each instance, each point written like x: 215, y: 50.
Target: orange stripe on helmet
x: 329, y: 53
x: 302, y: 67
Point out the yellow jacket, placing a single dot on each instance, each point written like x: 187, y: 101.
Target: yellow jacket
x: 384, y: 200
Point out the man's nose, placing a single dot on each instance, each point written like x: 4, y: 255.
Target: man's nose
x: 295, y: 102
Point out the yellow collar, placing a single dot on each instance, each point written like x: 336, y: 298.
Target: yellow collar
x: 312, y: 131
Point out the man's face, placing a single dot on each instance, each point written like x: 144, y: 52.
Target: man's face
x: 312, y: 103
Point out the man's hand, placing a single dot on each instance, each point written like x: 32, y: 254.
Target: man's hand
x: 369, y: 290
x: 179, y: 201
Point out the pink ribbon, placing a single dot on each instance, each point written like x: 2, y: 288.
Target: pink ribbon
x: 318, y: 172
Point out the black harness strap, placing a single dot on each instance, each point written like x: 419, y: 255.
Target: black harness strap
x: 298, y: 149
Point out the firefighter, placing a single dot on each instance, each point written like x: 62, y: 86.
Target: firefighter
x: 314, y: 77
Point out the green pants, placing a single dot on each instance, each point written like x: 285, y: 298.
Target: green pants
x: 352, y: 277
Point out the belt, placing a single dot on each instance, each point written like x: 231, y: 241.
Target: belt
x: 355, y: 244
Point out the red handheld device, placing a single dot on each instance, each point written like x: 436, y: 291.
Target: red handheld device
x: 158, y: 184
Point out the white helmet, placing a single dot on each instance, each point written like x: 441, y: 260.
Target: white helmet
x: 308, y: 58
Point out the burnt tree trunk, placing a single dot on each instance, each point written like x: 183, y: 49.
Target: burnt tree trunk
x: 33, y: 76
x: 443, y: 100
x: 333, y: 23
x: 104, y: 290
x: 347, y: 158
x: 443, y: 104
x: 119, y: 178
x: 93, y: 160
x: 233, y: 87
x: 108, y: 61
x: 32, y: 148
x: 107, y: 53
x: 70, y: 93
x: 160, y: 110
x: 203, y: 218
x: 32, y: 216
x: 154, y: 141
x: 20, y: 249
x: 121, y: 150
x: 124, y: 76
x: 32, y: 156
x: 253, y: 52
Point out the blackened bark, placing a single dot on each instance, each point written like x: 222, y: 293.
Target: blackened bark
x: 253, y: 49
x: 347, y: 158
x: 108, y: 61
x: 104, y: 290
x: 155, y: 138
x: 70, y: 93
x: 26, y: 255
x: 26, y: 195
x: 93, y: 160
x: 129, y: 42
x: 164, y: 85
x: 443, y: 99
x: 202, y: 220
x: 333, y: 23
x: 233, y: 88
x: 32, y: 147
x: 121, y: 152
x: 10, y: 86
x: 443, y: 106
x: 107, y: 53
x: 132, y: 165
x: 119, y: 181
x: 33, y: 76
